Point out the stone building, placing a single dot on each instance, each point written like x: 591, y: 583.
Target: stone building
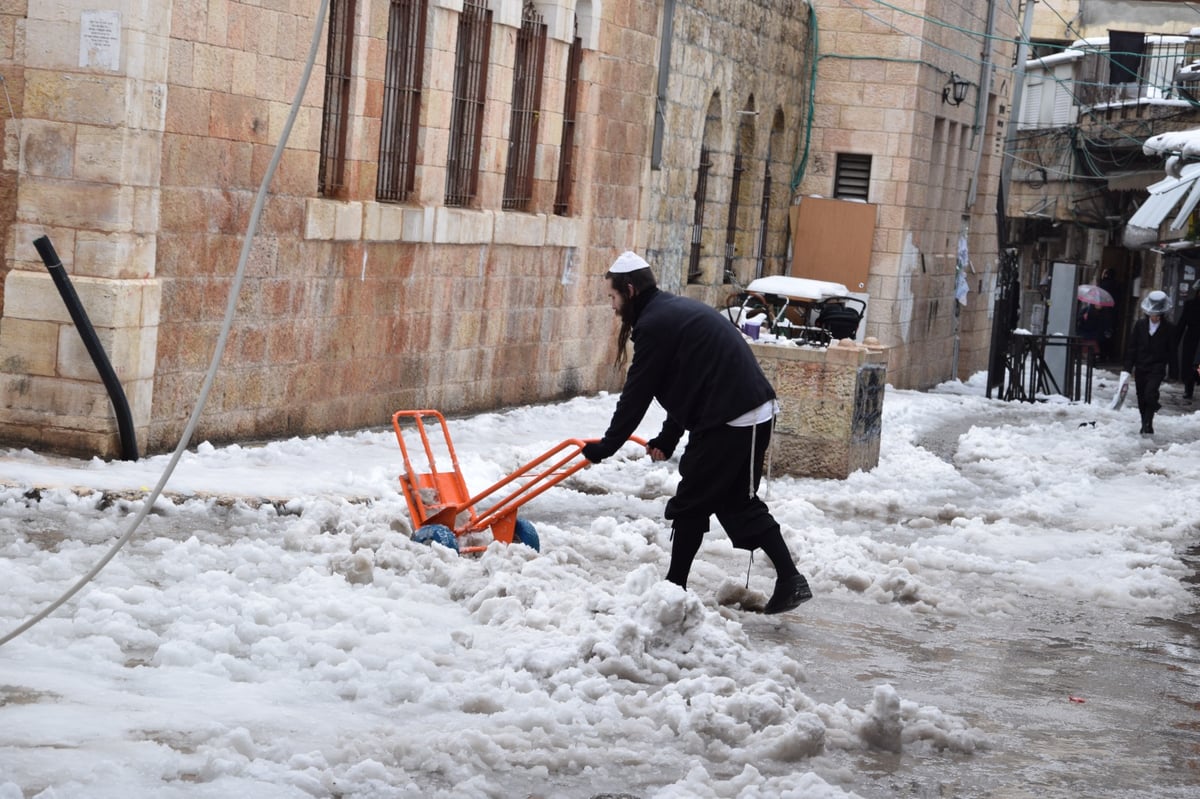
x: 1102, y: 78
x: 914, y: 98
x: 459, y: 175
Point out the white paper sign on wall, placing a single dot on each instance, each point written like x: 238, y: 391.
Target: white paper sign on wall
x: 100, y: 39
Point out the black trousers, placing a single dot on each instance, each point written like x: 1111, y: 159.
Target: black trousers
x: 719, y: 475
x: 1147, y: 380
x: 1187, y: 362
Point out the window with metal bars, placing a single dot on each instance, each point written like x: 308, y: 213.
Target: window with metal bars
x: 566, y: 150
x: 731, y: 221
x: 694, y: 273
x: 852, y: 177
x: 526, y: 108
x: 470, y: 92
x: 401, y: 99
x: 335, y: 117
x: 764, y: 218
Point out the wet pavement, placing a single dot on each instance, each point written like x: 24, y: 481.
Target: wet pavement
x: 1074, y: 700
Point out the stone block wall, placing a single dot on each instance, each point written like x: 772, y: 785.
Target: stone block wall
x: 831, y: 404
x: 934, y: 169
x: 354, y: 308
x: 85, y: 155
x: 738, y: 83
x: 144, y: 170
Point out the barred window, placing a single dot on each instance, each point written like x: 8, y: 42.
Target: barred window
x: 694, y: 273
x: 764, y: 220
x: 401, y: 99
x: 731, y: 223
x: 566, y: 150
x: 470, y: 91
x: 335, y: 118
x: 526, y: 105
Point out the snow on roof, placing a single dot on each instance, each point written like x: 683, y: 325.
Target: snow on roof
x: 1062, y: 57
x: 1093, y: 42
x: 1184, y: 142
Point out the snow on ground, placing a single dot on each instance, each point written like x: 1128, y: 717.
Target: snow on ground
x: 272, y: 631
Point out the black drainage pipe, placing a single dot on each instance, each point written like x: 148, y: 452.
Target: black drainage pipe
x: 129, y: 450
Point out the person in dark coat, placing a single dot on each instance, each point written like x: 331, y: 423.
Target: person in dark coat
x: 1089, y: 325
x: 698, y: 366
x: 1151, y: 355
x: 1108, y: 315
x: 1189, y: 339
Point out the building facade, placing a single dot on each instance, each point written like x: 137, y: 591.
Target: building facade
x: 458, y: 177
x: 1102, y: 77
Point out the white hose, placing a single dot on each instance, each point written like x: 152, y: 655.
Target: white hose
x: 230, y: 309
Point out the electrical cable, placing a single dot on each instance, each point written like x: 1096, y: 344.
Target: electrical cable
x: 227, y: 325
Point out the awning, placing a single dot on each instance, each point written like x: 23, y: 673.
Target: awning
x: 1165, y: 196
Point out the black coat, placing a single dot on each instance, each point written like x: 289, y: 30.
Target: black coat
x: 694, y: 362
x: 1189, y: 329
x: 1146, y: 351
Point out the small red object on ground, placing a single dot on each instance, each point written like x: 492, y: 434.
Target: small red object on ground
x: 1078, y: 699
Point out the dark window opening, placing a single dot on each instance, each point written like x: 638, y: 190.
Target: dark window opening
x: 764, y: 216
x: 335, y: 118
x: 566, y: 150
x: 731, y: 222
x: 470, y: 91
x: 694, y: 273
x: 526, y: 105
x: 401, y: 100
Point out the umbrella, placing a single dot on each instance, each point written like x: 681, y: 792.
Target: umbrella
x: 1094, y: 295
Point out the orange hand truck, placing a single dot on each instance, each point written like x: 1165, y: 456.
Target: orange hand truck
x: 443, y: 510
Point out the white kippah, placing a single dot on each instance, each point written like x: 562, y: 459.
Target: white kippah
x: 628, y: 262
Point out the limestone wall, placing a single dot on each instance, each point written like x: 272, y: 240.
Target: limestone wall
x: 142, y: 162
x: 84, y: 154
x: 934, y: 169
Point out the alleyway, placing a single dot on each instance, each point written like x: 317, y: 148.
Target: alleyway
x: 1006, y: 608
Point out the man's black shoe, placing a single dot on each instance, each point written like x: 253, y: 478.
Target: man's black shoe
x: 789, y: 593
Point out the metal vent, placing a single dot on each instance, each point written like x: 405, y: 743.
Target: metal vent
x: 852, y: 181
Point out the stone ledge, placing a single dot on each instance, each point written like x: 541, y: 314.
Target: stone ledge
x: 339, y: 220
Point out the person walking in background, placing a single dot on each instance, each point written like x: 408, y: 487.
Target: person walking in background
x: 1089, y: 325
x: 703, y: 373
x: 1108, y: 316
x: 1151, y: 356
x: 1189, y: 340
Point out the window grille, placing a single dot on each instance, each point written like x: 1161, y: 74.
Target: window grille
x: 335, y: 118
x: 694, y: 273
x: 526, y: 105
x: 852, y: 179
x: 470, y: 88
x: 731, y: 221
x: 764, y: 217
x: 566, y: 150
x: 401, y: 99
